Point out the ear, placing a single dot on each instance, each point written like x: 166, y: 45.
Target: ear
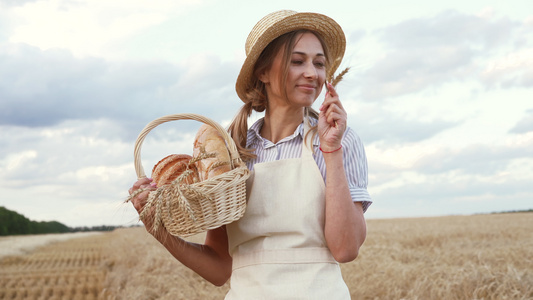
x: 264, y: 77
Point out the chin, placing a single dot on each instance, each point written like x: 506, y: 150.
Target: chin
x: 310, y: 102
x: 303, y: 99
x: 306, y: 101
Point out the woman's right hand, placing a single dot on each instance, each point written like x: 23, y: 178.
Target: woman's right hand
x: 139, y: 201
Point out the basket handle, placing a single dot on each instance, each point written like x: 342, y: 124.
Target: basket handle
x: 230, y: 144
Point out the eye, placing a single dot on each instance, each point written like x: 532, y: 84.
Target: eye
x: 320, y: 64
x: 297, y: 62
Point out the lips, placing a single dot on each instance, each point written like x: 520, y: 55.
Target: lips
x: 306, y: 86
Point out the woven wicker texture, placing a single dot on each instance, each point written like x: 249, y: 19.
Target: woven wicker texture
x: 187, y: 209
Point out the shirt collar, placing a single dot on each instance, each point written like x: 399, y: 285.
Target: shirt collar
x: 256, y: 136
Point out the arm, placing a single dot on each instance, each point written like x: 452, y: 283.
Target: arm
x: 345, y: 225
x: 210, y: 260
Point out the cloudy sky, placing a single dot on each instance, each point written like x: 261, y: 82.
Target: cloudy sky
x: 440, y: 92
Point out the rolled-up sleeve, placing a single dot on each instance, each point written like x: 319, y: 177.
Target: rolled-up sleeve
x: 356, y: 167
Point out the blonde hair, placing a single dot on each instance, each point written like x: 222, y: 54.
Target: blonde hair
x: 257, y: 96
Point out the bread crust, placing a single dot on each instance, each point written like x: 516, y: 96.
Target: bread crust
x: 209, y: 142
x: 172, y: 166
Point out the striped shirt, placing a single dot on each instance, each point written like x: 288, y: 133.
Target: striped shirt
x: 355, y: 163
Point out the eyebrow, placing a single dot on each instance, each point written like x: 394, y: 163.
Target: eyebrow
x: 303, y: 53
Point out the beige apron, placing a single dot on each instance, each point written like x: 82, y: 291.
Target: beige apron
x: 278, y: 247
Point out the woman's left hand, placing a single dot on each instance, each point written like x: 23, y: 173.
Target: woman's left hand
x: 332, y: 121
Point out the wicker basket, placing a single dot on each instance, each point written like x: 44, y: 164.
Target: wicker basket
x: 188, y: 209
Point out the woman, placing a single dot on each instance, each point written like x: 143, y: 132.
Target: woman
x: 307, y: 192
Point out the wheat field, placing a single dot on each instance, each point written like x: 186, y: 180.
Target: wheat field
x: 74, y: 269
x: 455, y: 257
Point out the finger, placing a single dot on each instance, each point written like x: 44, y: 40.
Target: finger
x: 331, y: 90
x: 329, y: 103
x: 335, y: 108
x: 140, y: 201
x: 139, y: 183
x: 328, y: 114
x: 331, y: 98
x: 334, y: 119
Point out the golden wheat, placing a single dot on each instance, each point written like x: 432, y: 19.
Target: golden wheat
x: 457, y: 257
x: 72, y: 270
x: 339, y: 77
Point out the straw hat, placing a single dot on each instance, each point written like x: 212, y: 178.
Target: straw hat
x: 280, y: 22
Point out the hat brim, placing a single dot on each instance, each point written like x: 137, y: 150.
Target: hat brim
x: 326, y: 27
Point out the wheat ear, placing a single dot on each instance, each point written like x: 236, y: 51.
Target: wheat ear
x: 339, y: 77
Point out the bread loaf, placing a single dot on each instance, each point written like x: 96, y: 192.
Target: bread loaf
x: 210, y: 144
x: 172, y: 166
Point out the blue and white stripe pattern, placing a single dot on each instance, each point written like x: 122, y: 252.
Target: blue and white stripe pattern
x: 355, y: 163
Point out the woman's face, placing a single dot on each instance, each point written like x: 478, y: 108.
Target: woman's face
x: 306, y: 74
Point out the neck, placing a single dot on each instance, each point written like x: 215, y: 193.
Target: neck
x: 281, y: 123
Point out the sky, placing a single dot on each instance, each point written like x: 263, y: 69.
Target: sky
x: 440, y: 93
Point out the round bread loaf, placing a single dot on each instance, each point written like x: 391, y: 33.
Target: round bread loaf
x: 172, y: 166
x: 210, y: 144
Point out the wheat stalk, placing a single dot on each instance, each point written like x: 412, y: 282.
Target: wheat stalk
x: 336, y: 79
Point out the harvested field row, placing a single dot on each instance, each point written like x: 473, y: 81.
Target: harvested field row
x: 73, y: 269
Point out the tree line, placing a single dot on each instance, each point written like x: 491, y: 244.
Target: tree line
x: 13, y: 223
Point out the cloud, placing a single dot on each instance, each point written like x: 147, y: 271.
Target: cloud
x: 78, y: 151
x: 431, y: 159
x: 429, y: 180
x: 90, y: 27
x: 473, y: 159
x: 78, y: 164
x: 397, y: 130
x: 460, y: 189
x: 389, y: 128
x: 355, y: 36
x: 44, y: 88
x: 425, y: 52
x: 14, y: 3
x: 525, y: 124
x: 406, y: 71
x: 515, y: 69
x: 505, y: 160
x: 449, y: 28
x: 451, y: 195
x: 41, y: 155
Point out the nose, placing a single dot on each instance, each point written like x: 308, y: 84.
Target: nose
x: 310, y: 71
